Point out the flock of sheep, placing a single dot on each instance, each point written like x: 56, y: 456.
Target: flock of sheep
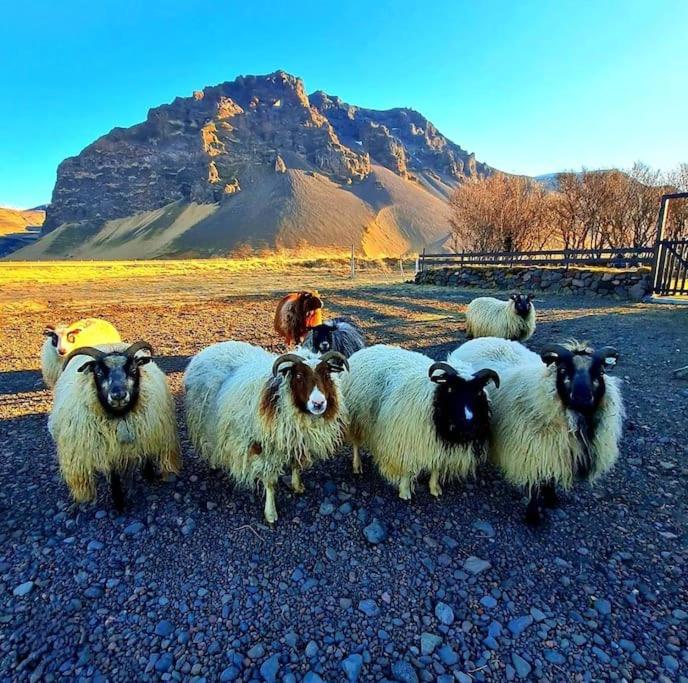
x: 545, y: 420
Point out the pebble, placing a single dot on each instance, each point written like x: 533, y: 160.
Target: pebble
x: 163, y: 663
x: 311, y: 649
x: 448, y: 656
x: 603, y: 607
x: 484, y: 527
x: 474, y: 565
x: 164, y: 629
x: 429, y: 642
x: 256, y: 652
x: 404, y: 672
x: 23, y: 589
x: 520, y: 624
x: 554, y: 657
x: 312, y: 677
x: 601, y: 654
x: 133, y: 529
x: 488, y: 601
x: 444, y: 613
x: 375, y: 532
x: 231, y: 673
x: 352, y: 666
x: 269, y: 669
x: 369, y: 607
x: 521, y: 665
x: 94, y: 546
x: 326, y: 508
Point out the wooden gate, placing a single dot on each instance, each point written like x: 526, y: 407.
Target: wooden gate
x: 670, y: 267
x: 671, y: 270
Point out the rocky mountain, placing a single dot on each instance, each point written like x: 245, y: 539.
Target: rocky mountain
x: 256, y: 161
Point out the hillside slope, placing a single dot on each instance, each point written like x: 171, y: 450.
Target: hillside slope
x: 256, y: 161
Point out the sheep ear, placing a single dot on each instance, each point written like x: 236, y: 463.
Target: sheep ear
x: 87, y: 366
x: 531, y: 297
x: 49, y: 331
x: 142, y: 360
x: 549, y: 357
x: 609, y: 357
x: 513, y: 297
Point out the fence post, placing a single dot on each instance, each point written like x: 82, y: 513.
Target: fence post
x: 417, y: 265
x: 353, y: 263
x: 401, y: 267
x: 661, y: 222
x: 422, y: 260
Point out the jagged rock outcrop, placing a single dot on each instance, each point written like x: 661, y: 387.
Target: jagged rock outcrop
x: 256, y: 161
x: 195, y: 147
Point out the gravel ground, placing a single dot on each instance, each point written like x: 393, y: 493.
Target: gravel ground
x: 189, y: 584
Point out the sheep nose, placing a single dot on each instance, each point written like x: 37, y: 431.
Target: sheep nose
x: 324, y: 346
x: 318, y: 406
x: 118, y: 394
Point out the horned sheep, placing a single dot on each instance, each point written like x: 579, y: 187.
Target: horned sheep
x: 256, y: 414
x: 338, y: 334
x: 112, y: 411
x: 416, y: 416
x: 557, y: 417
x: 61, y: 340
x: 489, y: 317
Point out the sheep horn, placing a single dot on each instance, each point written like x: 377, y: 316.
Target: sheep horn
x: 138, y: 346
x: 83, y: 351
x: 608, y: 355
x: 552, y: 352
x: 286, y: 358
x: 341, y: 361
x: 445, y: 367
x: 485, y: 375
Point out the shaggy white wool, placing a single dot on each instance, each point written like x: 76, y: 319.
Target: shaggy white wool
x: 490, y: 317
x: 89, y: 441
x: 390, y: 400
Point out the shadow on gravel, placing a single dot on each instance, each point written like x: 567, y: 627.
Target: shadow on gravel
x: 20, y: 381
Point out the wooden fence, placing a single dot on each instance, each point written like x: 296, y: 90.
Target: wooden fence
x: 623, y: 257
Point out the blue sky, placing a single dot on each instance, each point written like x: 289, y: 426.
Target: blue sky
x: 530, y: 87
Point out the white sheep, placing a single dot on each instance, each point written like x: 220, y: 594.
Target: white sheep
x: 112, y: 410
x: 61, y: 340
x: 556, y: 418
x: 256, y: 414
x: 416, y: 416
x: 489, y: 317
x: 338, y: 334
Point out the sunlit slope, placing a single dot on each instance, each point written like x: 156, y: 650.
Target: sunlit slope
x: 384, y: 214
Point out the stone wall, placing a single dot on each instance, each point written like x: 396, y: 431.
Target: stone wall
x: 631, y: 285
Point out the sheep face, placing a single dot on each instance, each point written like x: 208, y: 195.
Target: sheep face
x: 322, y: 337
x: 64, y: 339
x: 311, y: 386
x: 116, y: 375
x: 580, y: 374
x: 461, y: 410
x: 311, y: 307
x: 522, y: 304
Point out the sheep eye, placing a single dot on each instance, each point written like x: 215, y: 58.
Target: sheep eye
x: 71, y: 337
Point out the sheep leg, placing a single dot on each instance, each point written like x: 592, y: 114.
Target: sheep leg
x: 170, y: 463
x: 533, y: 515
x: 435, y: 488
x: 117, y: 491
x: 150, y: 474
x: 549, y: 495
x: 405, y: 487
x: 81, y: 486
x: 270, y: 506
x: 357, y: 466
x: 296, y: 483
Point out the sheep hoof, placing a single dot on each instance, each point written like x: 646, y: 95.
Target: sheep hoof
x: 357, y: 468
x: 271, y: 518
x: 299, y: 488
x: 533, y: 518
x: 436, y: 490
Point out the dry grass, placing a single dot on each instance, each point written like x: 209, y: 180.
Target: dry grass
x: 32, y: 286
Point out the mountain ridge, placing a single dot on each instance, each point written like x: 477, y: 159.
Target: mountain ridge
x: 269, y: 164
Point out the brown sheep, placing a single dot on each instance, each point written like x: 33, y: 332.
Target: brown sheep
x: 296, y: 314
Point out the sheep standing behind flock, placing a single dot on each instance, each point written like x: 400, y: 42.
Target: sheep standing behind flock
x: 546, y: 420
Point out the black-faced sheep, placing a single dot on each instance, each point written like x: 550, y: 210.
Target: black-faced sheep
x: 61, y: 340
x: 112, y: 411
x: 338, y: 334
x: 489, y: 317
x: 416, y: 416
x: 296, y: 313
x: 556, y: 418
x: 256, y: 415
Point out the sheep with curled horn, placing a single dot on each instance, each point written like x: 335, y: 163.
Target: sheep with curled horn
x: 557, y: 416
x: 61, y: 340
x: 112, y: 412
x: 257, y: 415
x: 337, y: 334
x: 416, y: 416
x: 513, y: 319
